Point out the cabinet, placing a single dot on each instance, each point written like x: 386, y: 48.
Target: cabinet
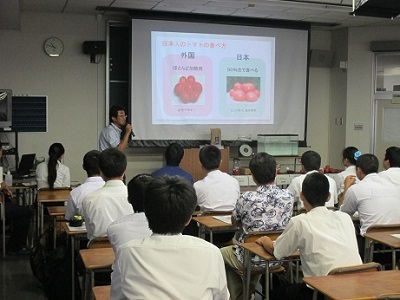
x: 191, y: 163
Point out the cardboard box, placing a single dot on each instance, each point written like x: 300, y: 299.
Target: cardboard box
x: 215, y: 136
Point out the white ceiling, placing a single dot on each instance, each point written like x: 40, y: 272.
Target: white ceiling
x: 321, y: 13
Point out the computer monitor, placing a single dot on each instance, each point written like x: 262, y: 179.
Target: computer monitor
x: 5, y: 108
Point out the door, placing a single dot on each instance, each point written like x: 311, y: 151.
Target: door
x: 387, y: 126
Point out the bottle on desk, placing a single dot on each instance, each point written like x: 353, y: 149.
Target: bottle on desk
x: 9, y: 179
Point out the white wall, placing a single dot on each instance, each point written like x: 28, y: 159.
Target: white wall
x: 75, y: 87
x: 360, y: 82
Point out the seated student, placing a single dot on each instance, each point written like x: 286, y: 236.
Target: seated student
x: 325, y: 238
x: 173, y: 156
x: 391, y: 163
x: 129, y: 227
x: 52, y: 173
x: 349, y: 158
x: 267, y: 208
x: 311, y: 162
x: 169, y: 265
x: 110, y: 202
x: 20, y: 219
x: 218, y: 190
x: 375, y: 198
x: 92, y: 183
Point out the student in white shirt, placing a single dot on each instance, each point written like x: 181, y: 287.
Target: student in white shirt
x: 391, y: 163
x: 326, y: 239
x: 311, y: 162
x: 109, y: 203
x: 129, y: 227
x: 92, y: 183
x: 169, y: 265
x: 52, y: 173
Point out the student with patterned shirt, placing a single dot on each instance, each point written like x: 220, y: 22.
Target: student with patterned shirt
x: 267, y: 208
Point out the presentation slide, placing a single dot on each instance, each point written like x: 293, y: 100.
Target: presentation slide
x: 187, y: 78
x: 212, y: 79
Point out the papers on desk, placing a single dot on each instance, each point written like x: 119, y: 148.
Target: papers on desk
x: 79, y: 228
x: 396, y: 235
x: 29, y: 183
x: 225, y: 219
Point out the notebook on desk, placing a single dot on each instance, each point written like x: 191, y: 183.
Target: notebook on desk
x: 25, y: 166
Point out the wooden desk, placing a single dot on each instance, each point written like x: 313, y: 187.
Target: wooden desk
x: 49, y: 196
x: 95, y: 260
x: 252, y: 249
x: 54, y: 212
x: 102, y: 292
x: 73, y: 233
x: 385, y: 238
x: 28, y: 190
x: 211, y: 224
x: 366, y: 285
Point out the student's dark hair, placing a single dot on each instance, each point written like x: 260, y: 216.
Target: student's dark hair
x: 210, y: 157
x: 315, y: 189
x: 311, y: 160
x: 56, y: 150
x: 91, y: 163
x: 137, y: 191
x: 112, y: 163
x: 368, y: 163
x: 174, y: 154
x: 393, y: 155
x: 169, y: 204
x: 348, y: 153
x: 114, y: 111
x: 263, y: 168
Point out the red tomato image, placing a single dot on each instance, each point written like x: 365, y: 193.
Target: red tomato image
x: 237, y: 86
x: 239, y: 95
x: 188, y: 90
x: 251, y: 96
x: 248, y: 87
x: 244, y: 92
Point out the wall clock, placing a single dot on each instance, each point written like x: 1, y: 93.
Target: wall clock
x: 53, y: 47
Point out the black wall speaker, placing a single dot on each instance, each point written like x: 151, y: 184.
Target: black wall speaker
x: 94, y: 47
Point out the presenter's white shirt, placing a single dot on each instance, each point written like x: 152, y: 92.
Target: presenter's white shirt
x: 104, y: 206
x: 74, y: 204
x: 125, y: 229
x: 171, y: 267
x: 376, y: 199
x: 110, y: 137
x: 63, y: 178
x: 326, y: 240
x: 217, y: 191
x: 295, y: 187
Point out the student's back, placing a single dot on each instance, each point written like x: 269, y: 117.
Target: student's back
x: 325, y: 238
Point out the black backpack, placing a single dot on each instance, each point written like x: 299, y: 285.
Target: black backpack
x: 52, y: 267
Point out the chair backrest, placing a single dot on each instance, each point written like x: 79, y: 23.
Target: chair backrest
x: 255, y: 235
x: 367, y: 267
x: 383, y: 227
x: 99, y: 242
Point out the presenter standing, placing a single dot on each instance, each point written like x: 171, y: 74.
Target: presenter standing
x: 118, y: 133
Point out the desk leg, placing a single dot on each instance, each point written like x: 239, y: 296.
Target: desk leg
x: 246, y: 273
x: 267, y: 276
x: 41, y: 218
x: 393, y: 259
x: 54, y: 231
x: 73, y: 267
x: 211, y: 237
